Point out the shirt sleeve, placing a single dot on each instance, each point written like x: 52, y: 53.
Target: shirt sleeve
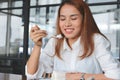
x: 45, y: 61
x: 37, y: 75
x: 109, y: 65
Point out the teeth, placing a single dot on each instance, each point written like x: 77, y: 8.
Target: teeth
x: 69, y: 30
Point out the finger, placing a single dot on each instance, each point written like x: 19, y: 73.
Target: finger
x: 38, y: 39
x: 75, y: 76
x: 38, y: 35
x: 40, y: 32
x: 35, y: 28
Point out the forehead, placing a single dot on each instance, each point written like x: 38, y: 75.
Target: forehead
x: 67, y: 9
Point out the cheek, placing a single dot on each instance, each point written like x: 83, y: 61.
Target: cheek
x: 78, y: 28
x: 78, y: 25
x: 61, y: 24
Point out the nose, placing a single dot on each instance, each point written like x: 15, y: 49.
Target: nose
x: 68, y: 23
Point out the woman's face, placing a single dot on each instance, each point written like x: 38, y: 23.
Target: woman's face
x: 70, y: 21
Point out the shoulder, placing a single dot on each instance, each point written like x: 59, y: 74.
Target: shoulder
x: 98, y: 38
x: 102, y: 45
x: 101, y: 41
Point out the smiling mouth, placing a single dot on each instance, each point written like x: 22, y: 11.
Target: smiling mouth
x: 69, y: 31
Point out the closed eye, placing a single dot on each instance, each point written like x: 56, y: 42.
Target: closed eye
x: 62, y: 19
x: 74, y: 18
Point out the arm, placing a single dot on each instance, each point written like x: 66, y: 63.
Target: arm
x: 36, y: 35
x: 77, y: 76
x: 108, y: 64
x: 32, y: 63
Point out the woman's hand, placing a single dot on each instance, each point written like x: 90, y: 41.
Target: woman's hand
x: 79, y: 76
x: 73, y: 76
x: 36, y: 34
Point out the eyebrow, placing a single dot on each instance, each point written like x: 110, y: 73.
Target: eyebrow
x: 74, y: 15
x: 70, y: 15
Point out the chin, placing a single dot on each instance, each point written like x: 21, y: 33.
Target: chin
x: 69, y: 37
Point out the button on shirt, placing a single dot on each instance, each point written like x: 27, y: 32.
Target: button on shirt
x: 101, y: 59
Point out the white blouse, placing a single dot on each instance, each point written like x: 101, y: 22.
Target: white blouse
x: 101, y: 59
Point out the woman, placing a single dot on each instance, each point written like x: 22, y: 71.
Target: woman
x: 82, y: 48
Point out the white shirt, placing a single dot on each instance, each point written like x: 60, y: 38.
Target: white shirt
x: 101, y: 59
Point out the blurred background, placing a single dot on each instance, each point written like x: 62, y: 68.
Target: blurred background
x: 18, y: 16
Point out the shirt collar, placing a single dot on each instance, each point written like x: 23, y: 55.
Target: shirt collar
x: 65, y: 45
x: 75, y: 45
